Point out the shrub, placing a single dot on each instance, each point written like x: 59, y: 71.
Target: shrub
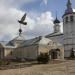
x: 2, y: 62
x: 43, y: 58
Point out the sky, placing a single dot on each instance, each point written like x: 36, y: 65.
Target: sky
x: 40, y: 17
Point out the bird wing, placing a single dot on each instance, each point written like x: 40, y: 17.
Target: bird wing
x: 23, y: 18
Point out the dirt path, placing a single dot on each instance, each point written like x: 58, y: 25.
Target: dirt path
x: 65, y: 68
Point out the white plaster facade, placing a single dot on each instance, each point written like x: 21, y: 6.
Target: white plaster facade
x: 69, y: 33
x: 30, y: 49
x: 69, y: 29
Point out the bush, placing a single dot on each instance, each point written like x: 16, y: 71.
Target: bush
x: 2, y: 62
x: 43, y: 58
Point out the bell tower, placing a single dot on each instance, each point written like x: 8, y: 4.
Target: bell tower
x: 69, y: 29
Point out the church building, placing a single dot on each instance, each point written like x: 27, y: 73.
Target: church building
x: 58, y: 45
x: 67, y: 38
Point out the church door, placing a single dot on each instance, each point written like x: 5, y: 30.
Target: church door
x: 54, y: 55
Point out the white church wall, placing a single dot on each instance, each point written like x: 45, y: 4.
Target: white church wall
x: 8, y: 53
x: 44, y: 49
x: 58, y: 38
x: 29, y: 52
x: 69, y: 34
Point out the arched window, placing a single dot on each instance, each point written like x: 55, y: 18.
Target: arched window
x: 66, y: 19
x: 71, y: 18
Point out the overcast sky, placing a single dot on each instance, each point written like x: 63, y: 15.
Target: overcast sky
x: 40, y: 16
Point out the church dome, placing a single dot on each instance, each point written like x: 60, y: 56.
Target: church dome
x: 56, y: 21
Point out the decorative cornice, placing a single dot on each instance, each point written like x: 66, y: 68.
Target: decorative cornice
x: 68, y: 14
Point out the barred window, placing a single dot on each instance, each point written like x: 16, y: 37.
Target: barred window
x: 66, y: 19
x: 71, y: 18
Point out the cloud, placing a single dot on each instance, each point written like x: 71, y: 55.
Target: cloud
x: 45, y: 1
x: 73, y: 10
x: 8, y: 22
x: 41, y: 25
x: 37, y: 24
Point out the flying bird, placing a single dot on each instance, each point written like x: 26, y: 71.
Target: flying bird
x: 23, y: 19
